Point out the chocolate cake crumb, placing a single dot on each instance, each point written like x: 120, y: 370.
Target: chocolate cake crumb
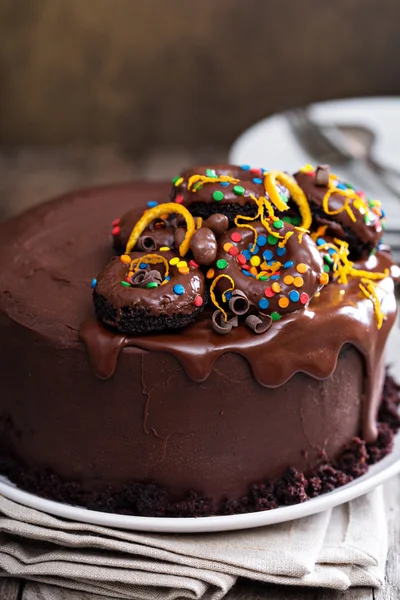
x: 205, y: 210
x: 149, y: 499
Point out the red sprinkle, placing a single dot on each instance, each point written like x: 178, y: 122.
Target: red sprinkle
x: 179, y: 199
x: 241, y: 259
x: 116, y: 230
x: 233, y: 251
x: 304, y: 298
x: 198, y: 301
x: 246, y: 267
x: 194, y: 264
x: 269, y: 292
x: 256, y: 171
x: 116, y: 222
x: 236, y: 237
x: 311, y: 173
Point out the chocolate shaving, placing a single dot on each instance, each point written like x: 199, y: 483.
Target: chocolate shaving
x: 142, y: 277
x: 219, y: 325
x: 239, y: 303
x: 146, y: 243
x: 322, y: 175
x: 259, y: 324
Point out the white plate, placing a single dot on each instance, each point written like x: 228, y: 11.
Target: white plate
x: 376, y: 475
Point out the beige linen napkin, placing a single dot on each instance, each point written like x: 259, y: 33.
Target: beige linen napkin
x: 338, y: 548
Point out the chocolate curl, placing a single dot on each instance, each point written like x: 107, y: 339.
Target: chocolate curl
x: 322, y: 175
x: 259, y: 324
x: 146, y: 243
x: 218, y: 223
x: 239, y: 303
x: 142, y: 277
x: 223, y: 327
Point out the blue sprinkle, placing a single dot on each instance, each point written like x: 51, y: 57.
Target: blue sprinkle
x: 341, y: 186
x: 228, y: 295
x: 247, y: 273
x: 263, y: 303
x: 224, y: 183
x: 331, y: 251
x: 257, y: 180
x: 271, y: 262
x: 179, y: 289
x: 275, y: 277
x: 261, y: 240
x: 288, y: 264
x: 281, y: 251
x: 143, y: 266
x: 267, y: 255
x: 320, y: 241
x: 383, y: 213
x: 167, y: 278
x: 246, y: 254
x: 245, y: 167
x: 256, y: 249
x: 152, y: 204
x: 94, y: 282
x: 294, y: 296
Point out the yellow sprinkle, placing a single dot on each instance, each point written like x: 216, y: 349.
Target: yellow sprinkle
x: 210, y: 273
x: 154, y: 213
x: 255, y: 261
x: 262, y: 274
x: 288, y: 279
x: 174, y: 261
x: 183, y: 270
x: 318, y: 294
x: 178, y: 181
x: 181, y: 263
x: 164, y: 248
x: 301, y: 268
x: 126, y: 259
x: 307, y: 168
x: 283, y: 302
x: 227, y: 246
x: 298, y: 282
x: 276, y: 287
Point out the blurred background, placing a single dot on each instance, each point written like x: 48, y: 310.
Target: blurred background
x: 109, y: 90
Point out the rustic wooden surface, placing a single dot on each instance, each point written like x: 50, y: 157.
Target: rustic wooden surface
x: 28, y: 176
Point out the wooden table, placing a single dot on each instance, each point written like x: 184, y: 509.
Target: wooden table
x: 28, y: 176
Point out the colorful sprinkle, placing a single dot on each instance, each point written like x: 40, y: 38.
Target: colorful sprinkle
x: 275, y: 316
x: 247, y: 273
x: 184, y: 270
x: 287, y: 219
x: 253, y: 270
x: 126, y: 259
x: 269, y: 292
x: 179, y: 199
x: 143, y: 266
x: 326, y: 268
x: 298, y: 282
x: 255, y: 261
x: 241, y: 259
x: 152, y: 284
x: 125, y: 284
x: 224, y: 183
x: 263, y: 278
x: 221, y: 263
x: 257, y: 180
x: 218, y: 196
x: 294, y: 296
x: 254, y: 248
x: 245, y: 167
x: 283, y: 302
x: 236, y: 237
x: 227, y: 246
x: 178, y: 181
x: 233, y: 251
x: 179, y: 289
x: 211, y: 173
x: 263, y: 303
x: 288, y: 264
x: 261, y: 240
x: 164, y: 248
x: 175, y: 179
x: 272, y: 240
x: 320, y: 241
x: 174, y: 261
x: 194, y: 264
x: 94, y: 282
x: 304, y: 298
x: 280, y: 251
x: 324, y: 278
x: 210, y: 273
x: 301, y: 268
x: 116, y: 222
x: 267, y: 255
x: 288, y: 279
x: 246, y: 254
x: 198, y: 301
x: 238, y: 190
x: 278, y: 224
x: 116, y: 230
x: 296, y: 220
x: 181, y: 263
x: 276, y: 287
x: 152, y: 203
x: 276, y: 276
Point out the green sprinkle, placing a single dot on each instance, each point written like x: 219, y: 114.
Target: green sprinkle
x: 211, y: 173
x: 272, y: 240
x: 296, y: 220
x: 284, y: 198
x: 152, y: 284
x: 328, y: 259
x: 263, y: 278
x: 175, y: 179
x: 218, y: 195
x: 275, y: 316
x: 366, y: 219
x: 197, y: 186
x: 287, y: 219
x: 373, y: 251
x: 326, y: 268
x: 349, y: 185
x: 278, y: 224
x: 384, y: 226
x: 238, y: 190
x: 222, y: 263
x: 125, y: 284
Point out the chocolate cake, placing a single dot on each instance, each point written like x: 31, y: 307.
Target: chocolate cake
x: 229, y: 358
